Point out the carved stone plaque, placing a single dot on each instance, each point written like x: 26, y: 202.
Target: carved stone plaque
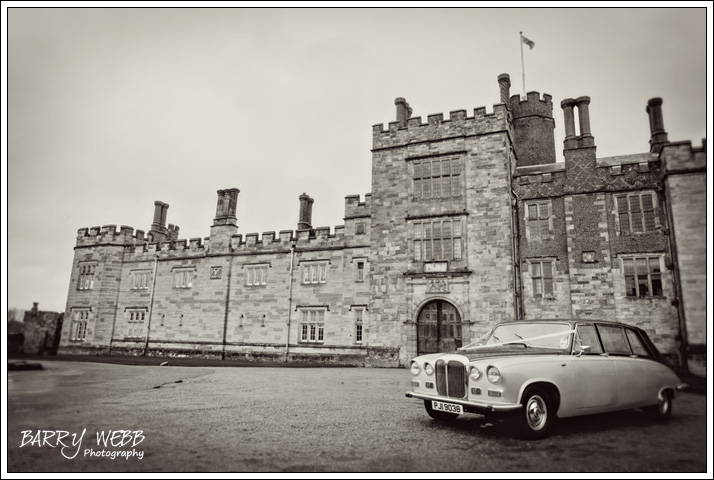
x: 216, y: 272
x: 437, y: 285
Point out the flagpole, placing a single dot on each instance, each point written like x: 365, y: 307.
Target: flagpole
x: 523, y: 69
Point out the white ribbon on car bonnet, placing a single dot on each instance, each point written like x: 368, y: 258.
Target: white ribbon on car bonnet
x: 525, y: 340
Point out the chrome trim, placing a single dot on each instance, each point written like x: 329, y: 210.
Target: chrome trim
x: 451, y: 378
x: 682, y: 386
x: 475, y: 405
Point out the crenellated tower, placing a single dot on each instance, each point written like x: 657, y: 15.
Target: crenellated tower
x: 441, y: 243
x: 533, y: 125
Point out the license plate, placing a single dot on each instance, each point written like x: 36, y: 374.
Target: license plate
x: 447, y: 407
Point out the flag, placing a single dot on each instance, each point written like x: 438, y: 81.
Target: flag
x: 530, y: 43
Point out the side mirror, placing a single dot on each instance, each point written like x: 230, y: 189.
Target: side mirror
x: 584, y: 349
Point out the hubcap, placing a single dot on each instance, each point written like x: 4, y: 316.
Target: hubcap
x: 536, y: 412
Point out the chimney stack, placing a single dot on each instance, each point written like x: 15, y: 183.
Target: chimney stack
x: 225, y: 225
x: 226, y: 207
x: 504, y: 83
x: 164, y: 213
x: 570, y: 138
x: 158, y: 229
x: 34, y: 308
x: 305, y: 222
x: 158, y: 214
x: 586, y: 138
x: 658, y: 136
x: 404, y: 111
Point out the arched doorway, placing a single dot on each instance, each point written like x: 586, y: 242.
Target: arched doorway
x: 438, y: 328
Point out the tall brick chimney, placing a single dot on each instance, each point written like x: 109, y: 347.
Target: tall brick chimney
x: 504, y: 84
x: 226, y: 207
x: 586, y: 138
x: 579, y: 150
x: 158, y: 230
x: 225, y: 225
x: 404, y: 111
x: 658, y: 136
x: 305, y: 222
x: 571, y: 140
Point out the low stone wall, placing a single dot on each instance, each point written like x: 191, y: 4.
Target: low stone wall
x: 82, y: 350
x: 374, y: 357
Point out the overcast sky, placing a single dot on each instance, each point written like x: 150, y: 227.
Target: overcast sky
x: 111, y: 109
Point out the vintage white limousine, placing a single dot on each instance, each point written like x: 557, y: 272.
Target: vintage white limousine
x: 537, y: 371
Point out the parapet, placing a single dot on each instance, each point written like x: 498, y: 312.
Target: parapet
x: 354, y: 208
x: 681, y: 156
x: 533, y: 105
x: 269, y: 242
x: 437, y: 128
x: 536, y: 174
x: 108, y: 235
x: 165, y: 249
x: 620, y: 160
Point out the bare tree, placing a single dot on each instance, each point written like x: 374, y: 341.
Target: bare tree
x: 15, y: 314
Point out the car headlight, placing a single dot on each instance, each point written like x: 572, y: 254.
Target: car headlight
x: 428, y: 369
x: 493, y: 374
x: 415, y: 368
x: 475, y: 373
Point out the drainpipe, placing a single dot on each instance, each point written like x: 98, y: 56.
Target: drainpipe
x: 151, y: 303
x: 225, y: 316
x: 290, y: 299
x: 515, y: 228
x: 676, y: 280
x: 116, y: 310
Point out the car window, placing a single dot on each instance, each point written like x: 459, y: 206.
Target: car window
x: 638, y: 346
x: 587, y: 336
x: 613, y: 340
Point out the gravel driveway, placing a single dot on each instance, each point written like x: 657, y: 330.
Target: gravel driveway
x: 250, y: 419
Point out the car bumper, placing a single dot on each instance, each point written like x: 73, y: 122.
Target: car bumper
x: 469, y: 406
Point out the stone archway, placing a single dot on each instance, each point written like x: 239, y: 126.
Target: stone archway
x: 438, y: 328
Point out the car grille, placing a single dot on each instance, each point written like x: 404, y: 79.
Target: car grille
x: 451, y: 378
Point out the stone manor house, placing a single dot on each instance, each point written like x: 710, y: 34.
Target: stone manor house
x: 470, y: 222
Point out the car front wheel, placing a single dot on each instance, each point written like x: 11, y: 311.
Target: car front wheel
x: 444, y: 417
x: 537, y: 414
x: 663, y: 410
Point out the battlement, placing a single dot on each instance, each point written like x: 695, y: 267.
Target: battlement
x: 635, y: 158
x: 682, y: 156
x: 354, y: 208
x: 533, y: 105
x: 108, y: 234
x: 455, y: 116
x: 437, y: 128
x: 539, y: 169
x: 166, y: 249
x: 305, y: 238
x: 537, y: 180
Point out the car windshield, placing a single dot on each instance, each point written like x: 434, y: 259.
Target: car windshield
x: 542, y: 335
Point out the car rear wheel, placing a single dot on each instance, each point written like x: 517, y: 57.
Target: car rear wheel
x: 663, y: 410
x: 444, y: 417
x: 537, y: 414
